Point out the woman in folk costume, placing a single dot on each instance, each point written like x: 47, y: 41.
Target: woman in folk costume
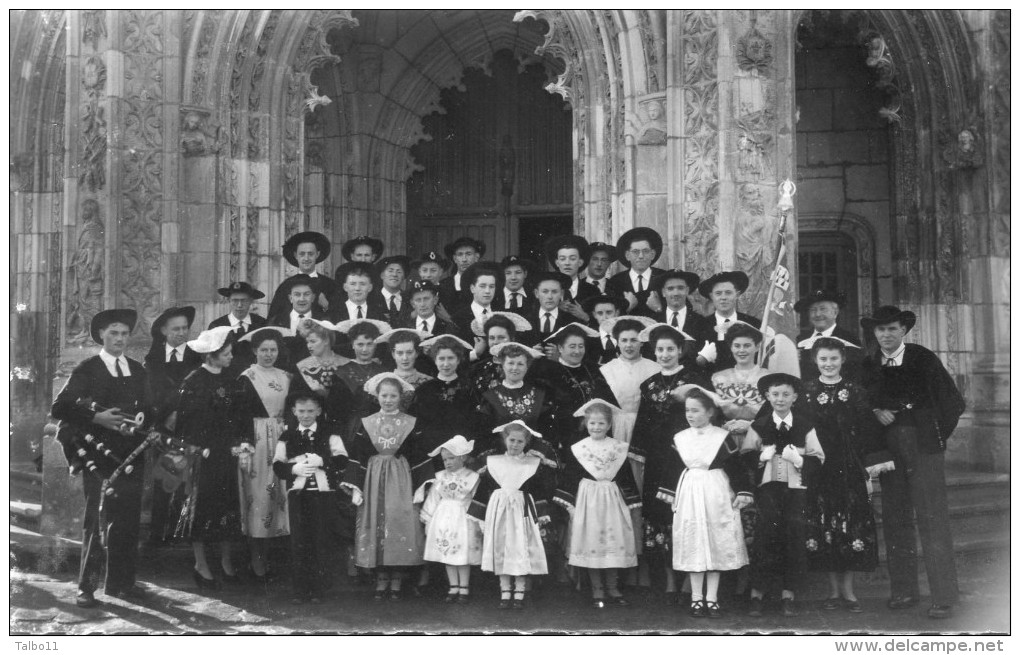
x: 513, y: 501
x: 319, y: 372
x: 207, y: 417
x: 386, y: 466
x: 626, y: 373
x: 841, y: 523
x: 262, y: 402
x: 446, y: 406
x: 502, y: 327
x: 514, y: 398
x: 737, y: 387
x: 403, y: 346
x: 598, y: 490
x: 451, y: 538
x: 361, y: 333
x: 660, y: 416
x: 707, y: 533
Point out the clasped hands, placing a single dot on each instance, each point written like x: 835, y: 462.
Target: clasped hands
x: 790, y: 454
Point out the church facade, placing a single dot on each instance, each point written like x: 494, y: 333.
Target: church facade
x: 158, y: 155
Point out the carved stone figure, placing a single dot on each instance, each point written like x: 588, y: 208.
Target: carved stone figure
x: 653, y: 131
x: 964, y: 152
x: 196, y: 140
x: 87, y: 267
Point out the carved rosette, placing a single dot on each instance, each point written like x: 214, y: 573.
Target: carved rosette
x: 699, y: 75
x: 141, y: 192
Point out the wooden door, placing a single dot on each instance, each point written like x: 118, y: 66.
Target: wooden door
x: 828, y: 260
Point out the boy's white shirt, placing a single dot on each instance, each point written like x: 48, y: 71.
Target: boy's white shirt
x: 778, y: 469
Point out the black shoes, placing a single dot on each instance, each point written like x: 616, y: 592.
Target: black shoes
x: 518, y: 603
x: 754, y: 607
x: 697, y: 610
x: 86, y: 599
x: 713, y: 611
x: 232, y: 579
x: 133, y: 592
x: 902, y: 602
x: 504, y: 600
x: 788, y: 607
x: 940, y: 611
x: 203, y: 582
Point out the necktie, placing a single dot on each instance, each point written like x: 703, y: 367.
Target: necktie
x: 307, y: 434
x: 610, y: 348
x: 485, y: 315
x: 424, y: 326
x: 360, y: 315
x: 173, y: 356
x: 513, y: 301
x: 393, y: 303
x: 640, y: 283
x: 818, y: 335
x: 784, y: 437
x: 547, y: 323
x: 116, y: 367
x: 890, y: 361
x: 675, y: 323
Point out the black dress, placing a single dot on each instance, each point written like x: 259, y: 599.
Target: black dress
x: 502, y: 405
x: 444, y: 409
x: 841, y: 525
x: 208, y: 417
x: 660, y: 416
x: 569, y: 388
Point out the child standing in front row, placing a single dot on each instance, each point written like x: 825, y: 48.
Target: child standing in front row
x: 311, y: 459
x: 450, y: 537
x: 598, y: 490
x: 708, y: 536
x: 789, y: 457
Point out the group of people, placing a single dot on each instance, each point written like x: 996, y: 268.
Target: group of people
x: 466, y: 413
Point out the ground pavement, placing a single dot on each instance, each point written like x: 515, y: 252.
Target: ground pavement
x: 44, y: 604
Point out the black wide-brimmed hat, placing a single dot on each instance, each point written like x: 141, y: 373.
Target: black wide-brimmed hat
x: 820, y: 295
x: 318, y: 238
x: 108, y: 317
x: 571, y: 241
x: 543, y: 276
x: 423, y: 285
x: 400, y: 260
x: 451, y: 248
x: 345, y: 269
x: 621, y: 304
x: 766, y: 382
x: 241, y: 287
x: 739, y: 280
x: 187, y: 312
x: 889, y: 314
x: 529, y: 266
x: 659, y: 281
x: 347, y: 249
x: 478, y: 269
x: 297, y: 280
x: 434, y: 257
x: 599, y: 246
x: 638, y: 234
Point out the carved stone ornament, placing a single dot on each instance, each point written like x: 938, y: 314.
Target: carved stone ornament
x: 93, y: 26
x: 315, y: 100
x: 22, y: 165
x: 555, y: 44
x: 198, y: 138
x: 86, y: 274
x: 880, y: 58
x: 754, y: 52
x: 966, y: 152
x: 652, y: 130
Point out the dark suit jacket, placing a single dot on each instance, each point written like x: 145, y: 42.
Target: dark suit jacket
x: 584, y: 290
x: 439, y: 327
x: 297, y: 349
x: 243, y: 354
x: 527, y: 307
x: 328, y: 288
x: 920, y: 389
x: 375, y: 311
x: 852, y: 365
x: 452, y: 299
x: 536, y: 318
x: 164, y: 378
x: 462, y: 319
x: 377, y: 300
x: 724, y: 359
x: 620, y: 283
x: 694, y: 325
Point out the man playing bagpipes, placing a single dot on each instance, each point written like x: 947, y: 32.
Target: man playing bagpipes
x: 97, y: 409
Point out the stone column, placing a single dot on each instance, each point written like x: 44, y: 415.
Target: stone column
x: 731, y: 144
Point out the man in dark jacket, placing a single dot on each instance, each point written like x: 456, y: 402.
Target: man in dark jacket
x: 118, y: 387
x: 917, y: 402
x: 240, y: 295
x: 823, y: 307
x: 638, y: 249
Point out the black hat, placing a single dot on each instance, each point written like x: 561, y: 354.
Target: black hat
x: 187, y: 312
x: 297, y: 280
x: 241, y: 287
x: 820, y: 295
x: 557, y: 243
x: 108, y: 317
x: 542, y: 276
x: 481, y: 268
x: 766, y: 382
x: 529, y: 266
x: 659, y: 281
x: 432, y: 256
x: 739, y: 280
x: 621, y: 304
x: 347, y: 249
x: 596, y: 246
x: 318, y: 238
x: 404, y: 262
x: 451, y: 248
x: 345, y: 269
x: 889, y: 314
x: 638, y: 234
x: 423, y: 285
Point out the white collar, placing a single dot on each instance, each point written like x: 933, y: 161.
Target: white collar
x: 430, y: 321
x: 294, y: 314
x: 604, y: 335
x: 456, y: 281
x: 450, y: 379
x: 508, y: 294
x: 779, y: 421
x: 351, y: 303
x: 681, y: 313
x: 312, y: 274
x: 574, y: 286
x: 646, y: 275
x: 387, y: 294
x: 313, y: 427
x: 477, y: 309
x: 896, y: 355
x: 234, y: 321
x: 179, y: 349
x: 825, y: 333
x: 110, y: 361
x: 553, y: 313
x: 720, y: 319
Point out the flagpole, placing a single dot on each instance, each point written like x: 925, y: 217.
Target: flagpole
x: 780, y: 278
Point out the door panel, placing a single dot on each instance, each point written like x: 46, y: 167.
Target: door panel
x: 437, y: 232
x: 828, y: 260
